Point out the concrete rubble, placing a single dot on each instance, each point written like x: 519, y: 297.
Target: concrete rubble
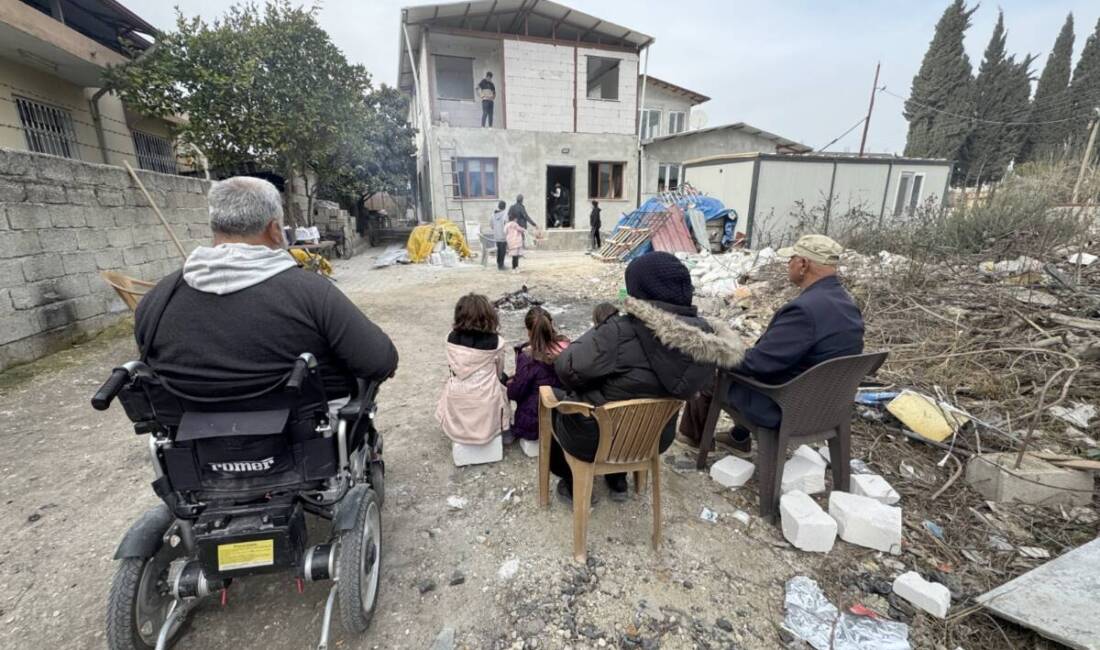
x: 810, y: 454
x: 732, y: 472
x: 932, y: 597
x: 805, y: 524
x: 490, y: 452
x: 863, y: 521
x: 875, y: 487
x: 720, y: 275
x: 805, y: 475
x: 1035, y: 481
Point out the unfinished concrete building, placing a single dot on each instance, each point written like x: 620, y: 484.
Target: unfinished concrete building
x: 565, y: 111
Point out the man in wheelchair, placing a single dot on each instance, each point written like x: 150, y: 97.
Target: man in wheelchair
x: 241, y: 353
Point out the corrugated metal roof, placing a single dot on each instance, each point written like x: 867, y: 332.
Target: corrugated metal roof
x: 817, y: 156
x: 796, y: 147
x: 541, y: 19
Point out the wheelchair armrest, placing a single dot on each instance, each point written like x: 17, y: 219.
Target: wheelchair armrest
x: 362, y: 402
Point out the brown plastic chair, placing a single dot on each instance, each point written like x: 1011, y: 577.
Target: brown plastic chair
x: 815, y: 406
x: 630, y: 435
x: 129, y: 289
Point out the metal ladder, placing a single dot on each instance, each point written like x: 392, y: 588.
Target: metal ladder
x: 452, y: 207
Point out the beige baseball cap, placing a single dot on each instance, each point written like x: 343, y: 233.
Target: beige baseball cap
x: 816, y: 248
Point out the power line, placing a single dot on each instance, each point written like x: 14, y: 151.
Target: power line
x: 978, y: 119
x: 833, y: 141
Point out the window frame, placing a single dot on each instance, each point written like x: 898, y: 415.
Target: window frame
x: 662, y: 174
x: 643, y: 132
x: 56, y: 139
x: 683, y: 121
x: 439, y: 91
x: 905, y: 199
x: 616, y: 182
x: 163, y: 162
x: 462, y: 175
x: 588, y: 79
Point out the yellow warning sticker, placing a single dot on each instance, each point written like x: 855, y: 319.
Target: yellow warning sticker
x: 245, y: 555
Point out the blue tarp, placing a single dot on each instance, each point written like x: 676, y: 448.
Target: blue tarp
x: 711, y: 208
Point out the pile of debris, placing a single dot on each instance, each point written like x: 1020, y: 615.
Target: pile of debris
x: 517, y: 300
x: 983, y: 423
x: 674, y: 222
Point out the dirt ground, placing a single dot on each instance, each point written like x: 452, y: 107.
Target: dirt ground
x: 73, y: 479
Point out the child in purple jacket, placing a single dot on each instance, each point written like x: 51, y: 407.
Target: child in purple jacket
x: 534, y: 368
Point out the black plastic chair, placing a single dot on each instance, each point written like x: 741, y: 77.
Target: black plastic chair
x: 816, y: 405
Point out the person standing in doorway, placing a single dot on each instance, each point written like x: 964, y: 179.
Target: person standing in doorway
x: 499, y: 221
x: 488, y: 93
x: 594, y: 224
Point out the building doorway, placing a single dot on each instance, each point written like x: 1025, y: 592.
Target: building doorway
x: 559, y: 196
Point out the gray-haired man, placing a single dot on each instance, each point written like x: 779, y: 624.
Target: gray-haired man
x: 233, y: 320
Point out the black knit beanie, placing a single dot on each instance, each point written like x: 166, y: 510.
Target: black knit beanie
x: 661, y: 277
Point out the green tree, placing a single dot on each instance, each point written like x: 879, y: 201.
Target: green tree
x: 1085, y: 89
x: 1001, y: 93
x: 940, y: 102
x: 264, y: 86
x: 1051, y: 107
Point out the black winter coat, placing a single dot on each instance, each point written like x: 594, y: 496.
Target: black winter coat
x: 654, y: 350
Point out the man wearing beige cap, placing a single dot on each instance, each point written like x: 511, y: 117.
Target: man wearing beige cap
x: 822, y: 323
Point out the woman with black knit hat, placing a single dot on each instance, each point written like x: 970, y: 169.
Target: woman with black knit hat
x: 659, y: 347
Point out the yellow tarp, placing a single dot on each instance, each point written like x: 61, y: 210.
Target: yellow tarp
x: 423, y: 239
x: 312, y: 261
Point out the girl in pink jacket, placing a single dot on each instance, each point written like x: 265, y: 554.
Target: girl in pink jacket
x: 474, y: 406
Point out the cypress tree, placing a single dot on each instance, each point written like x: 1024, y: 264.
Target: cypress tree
x: 1001, y: 94
x: 1085, y: 89
x: 940, y: 103
x: 1047, y: 137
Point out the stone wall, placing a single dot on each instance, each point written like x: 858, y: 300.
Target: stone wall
x: 62, y: 222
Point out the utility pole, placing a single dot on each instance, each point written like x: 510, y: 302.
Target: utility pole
x: 867, y: 120
x: 1088, y: 154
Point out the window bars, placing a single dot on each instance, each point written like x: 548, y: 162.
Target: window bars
x: 154, y: 153
x: 48, y: 129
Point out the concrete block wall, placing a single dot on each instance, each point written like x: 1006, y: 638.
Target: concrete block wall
x: 538, y: 88
x: 62, y: 222
x: 608, y: 115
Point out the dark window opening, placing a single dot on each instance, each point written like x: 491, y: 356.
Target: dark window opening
x: 454, y: 77
x: 559, y: 197
x: 603, y: 78
x: 49, y: 129
x: 605, y: 180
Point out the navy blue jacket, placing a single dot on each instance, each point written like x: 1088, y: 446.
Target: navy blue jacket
x: 822, y: 323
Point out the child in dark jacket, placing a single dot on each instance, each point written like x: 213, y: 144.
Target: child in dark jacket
x: 534, y: 368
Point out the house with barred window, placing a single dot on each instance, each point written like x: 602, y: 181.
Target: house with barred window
x: 53, y: 54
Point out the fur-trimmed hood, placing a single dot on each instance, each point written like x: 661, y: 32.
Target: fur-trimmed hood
x: 721, y: 347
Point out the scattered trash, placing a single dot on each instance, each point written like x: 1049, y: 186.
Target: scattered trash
x: 708, y: 515
x: 742, y: 516
x: 1057, y: 599
x: 999, y: 543
x: 1079, y: 415
x: 1008, y: 268
x: 1084, y: 259
x: 811, y: 617
x: 875, y: 397
x: 508, y: 570
x: 456, y: 503
x: 934, y: 528
x: 508, y: 494
x: 907, y: 471
x: 927, y: 417
x: 517, y: 300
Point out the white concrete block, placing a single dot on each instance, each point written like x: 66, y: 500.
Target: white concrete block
x: 490, y: 452
x: 800, y: 473
x: 823, y: 451
x: 732, y: 471
x: 807, y: 452
x: 876, y: 487
x: 530, y: 447
x: 932, y: 597
x: 805, y: 524
x: 866, y: 522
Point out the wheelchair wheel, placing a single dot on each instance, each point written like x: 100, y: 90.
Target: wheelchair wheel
x: 378, y: 482
x: 138, y: 602
x: 358, y: 562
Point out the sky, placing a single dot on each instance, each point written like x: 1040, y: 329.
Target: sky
x: 800, y: 68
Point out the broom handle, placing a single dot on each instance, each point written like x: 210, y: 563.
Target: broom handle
x: 148, y: 198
